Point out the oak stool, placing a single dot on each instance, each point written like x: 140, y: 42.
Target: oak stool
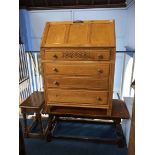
x: 34, y: 104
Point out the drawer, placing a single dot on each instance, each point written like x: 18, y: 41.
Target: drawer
x: 77, y: 82
x: 81, y: 68
x: 78, y: 98
x: 77, y: 55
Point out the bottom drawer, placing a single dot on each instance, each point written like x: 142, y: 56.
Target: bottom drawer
x: 77, y: 98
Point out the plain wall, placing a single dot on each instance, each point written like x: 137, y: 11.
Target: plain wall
x: 126, y: 123
x: 40, y: 17
x: 130, y: 29
x: 124, y: 22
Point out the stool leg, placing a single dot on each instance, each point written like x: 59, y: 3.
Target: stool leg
x: 35, y: 122
x: 25, y: 125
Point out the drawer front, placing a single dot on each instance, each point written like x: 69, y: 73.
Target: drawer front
x: 78, y: 98
x: 81, y: 68
x: 77, y: 82
x: 77, y: 55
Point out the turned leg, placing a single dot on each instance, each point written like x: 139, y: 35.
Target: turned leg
x: 36, y: 121
x: 25, y: 125
x: 54, y: 123
x: 119, y: 132
x: 49, y: 128
x: 38, y: 117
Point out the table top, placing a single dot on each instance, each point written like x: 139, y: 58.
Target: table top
x: 35, y: 100
x: 119, y: 111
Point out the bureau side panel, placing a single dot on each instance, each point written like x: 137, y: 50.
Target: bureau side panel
x: 111, y: 76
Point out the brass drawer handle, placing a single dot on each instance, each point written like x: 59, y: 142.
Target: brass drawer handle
x: 98, y: 98
x: 56, y: 83
x: 55, y: 56
x: 55, y: 70
x: 100, y: 57
x: 100, y: 71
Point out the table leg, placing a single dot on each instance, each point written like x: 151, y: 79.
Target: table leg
x: 25, y: 125
x: 119, y: 132
x: 54, y: 123
x: 49, y: 128
x: 38, y: 117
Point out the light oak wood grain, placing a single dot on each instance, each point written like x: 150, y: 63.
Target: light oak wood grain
x: 81, y: 68
x: 72, y: 82
x: 96, y: 99
x: 78, y: 61
x: 86, y: 34
x: 73, y: 55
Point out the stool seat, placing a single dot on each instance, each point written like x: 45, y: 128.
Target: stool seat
x: 34, y: 103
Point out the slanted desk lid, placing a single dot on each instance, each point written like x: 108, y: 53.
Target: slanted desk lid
x: 79, y: 34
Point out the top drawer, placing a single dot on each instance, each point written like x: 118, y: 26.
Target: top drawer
x: 88, y: 55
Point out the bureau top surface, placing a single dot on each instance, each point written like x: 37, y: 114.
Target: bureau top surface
x: 100, y: 33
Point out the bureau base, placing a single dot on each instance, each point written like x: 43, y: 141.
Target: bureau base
x: 119, y: 112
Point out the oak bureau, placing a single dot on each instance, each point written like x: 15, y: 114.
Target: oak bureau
x: 78, y: 60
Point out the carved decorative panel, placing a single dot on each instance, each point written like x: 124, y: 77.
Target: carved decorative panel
x: 76, y: 54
